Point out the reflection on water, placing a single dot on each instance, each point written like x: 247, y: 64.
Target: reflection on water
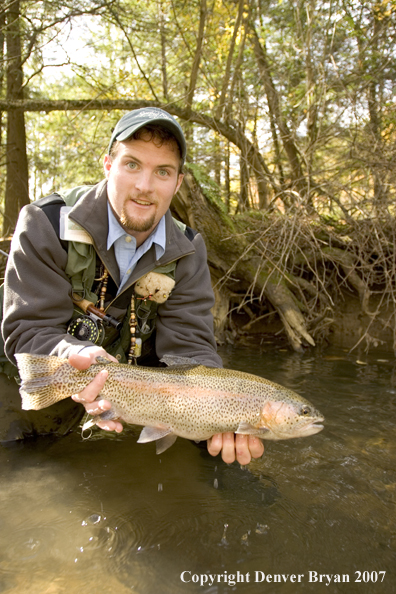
x: 109, y: 515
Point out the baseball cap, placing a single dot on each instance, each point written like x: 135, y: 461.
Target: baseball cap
x: 138, y: 118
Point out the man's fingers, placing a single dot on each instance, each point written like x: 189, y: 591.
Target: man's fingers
x: 224, y: 443
x: 93, y: 389
x: 242, y: 449
x: 215, y: 444
x: 235, y: 447
x: 228, y: 451
x: 110, y: 426
x: 88, y: 356
x: 88, y: 396
x: 256, y: 446
x: 80, y: 362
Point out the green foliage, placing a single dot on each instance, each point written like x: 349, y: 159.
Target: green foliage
x: 75, y: 160
x: 209, y: 187
x: 331, y: 64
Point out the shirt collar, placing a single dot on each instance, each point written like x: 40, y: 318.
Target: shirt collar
x: 158, y: 236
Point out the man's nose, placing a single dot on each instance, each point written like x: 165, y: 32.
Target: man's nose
x: 144, y: 182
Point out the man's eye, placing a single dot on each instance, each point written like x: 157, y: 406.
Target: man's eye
x: 131, y: 165
x: 163, y: 172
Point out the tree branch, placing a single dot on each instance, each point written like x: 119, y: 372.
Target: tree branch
x: 233, y: 134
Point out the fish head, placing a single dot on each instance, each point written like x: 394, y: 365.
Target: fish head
x: 290, y: 417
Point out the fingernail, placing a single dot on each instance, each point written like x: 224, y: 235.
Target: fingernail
x: 95, y: 411
x: 102, y: 404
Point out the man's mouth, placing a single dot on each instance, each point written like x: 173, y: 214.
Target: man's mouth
x: 142, y: 202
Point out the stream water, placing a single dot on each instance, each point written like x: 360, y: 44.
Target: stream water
x: 316, y: 514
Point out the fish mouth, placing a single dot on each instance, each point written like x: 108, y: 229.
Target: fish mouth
x: 318, y: 420
x: 314, y: 427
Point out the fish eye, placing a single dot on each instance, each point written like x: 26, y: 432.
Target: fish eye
x: 305, y: 410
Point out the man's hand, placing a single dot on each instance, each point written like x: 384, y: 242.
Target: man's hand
x: 235, y: 446
x: 87, y: 396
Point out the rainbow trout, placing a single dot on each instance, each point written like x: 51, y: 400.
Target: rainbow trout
x: 190, y: 401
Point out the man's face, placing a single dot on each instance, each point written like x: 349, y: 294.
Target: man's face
x: 142, y: 180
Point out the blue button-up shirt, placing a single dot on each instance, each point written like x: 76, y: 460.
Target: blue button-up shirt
x: 126, y: 253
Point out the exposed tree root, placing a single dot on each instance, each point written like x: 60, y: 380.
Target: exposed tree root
x: 294, y: 264
x: 348, y: 263
x: 293, y: 320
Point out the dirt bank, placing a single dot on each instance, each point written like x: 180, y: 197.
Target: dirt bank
x: 349, y: 328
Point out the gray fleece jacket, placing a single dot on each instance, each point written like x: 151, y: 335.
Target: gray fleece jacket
x: 37, y: 302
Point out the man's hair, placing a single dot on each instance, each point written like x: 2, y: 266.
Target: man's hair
x: 151, y: 133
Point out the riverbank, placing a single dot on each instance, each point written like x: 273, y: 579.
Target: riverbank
x: 348, y: 328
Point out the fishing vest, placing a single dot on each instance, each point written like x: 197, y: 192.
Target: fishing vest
x: 81, y: 269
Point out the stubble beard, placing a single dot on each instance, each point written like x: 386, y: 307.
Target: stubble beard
x: 136, y: 224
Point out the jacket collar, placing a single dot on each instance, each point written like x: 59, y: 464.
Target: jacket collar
x: 91, y: 213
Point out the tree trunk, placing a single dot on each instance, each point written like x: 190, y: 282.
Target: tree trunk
x: 289, y: 145
x: 243, y: 203
x: 163, y: 53
x: 375, y: 115
x: 198, y: 54
x: 226, y: 79
x: 17, y: 193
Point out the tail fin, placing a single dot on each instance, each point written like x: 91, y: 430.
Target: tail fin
x: 39, y: 374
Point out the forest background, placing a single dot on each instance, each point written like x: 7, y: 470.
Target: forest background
x: 289, y: 112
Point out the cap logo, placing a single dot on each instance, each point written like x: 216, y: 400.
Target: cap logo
x: 154, y: 114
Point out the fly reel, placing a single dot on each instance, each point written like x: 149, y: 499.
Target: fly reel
x: 85, y: 328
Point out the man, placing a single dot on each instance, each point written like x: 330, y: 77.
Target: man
x: 118, y: 232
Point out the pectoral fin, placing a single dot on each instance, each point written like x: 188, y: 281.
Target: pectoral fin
x: 248, y: 429
x: 165, y: 442
x: 163, y: 435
